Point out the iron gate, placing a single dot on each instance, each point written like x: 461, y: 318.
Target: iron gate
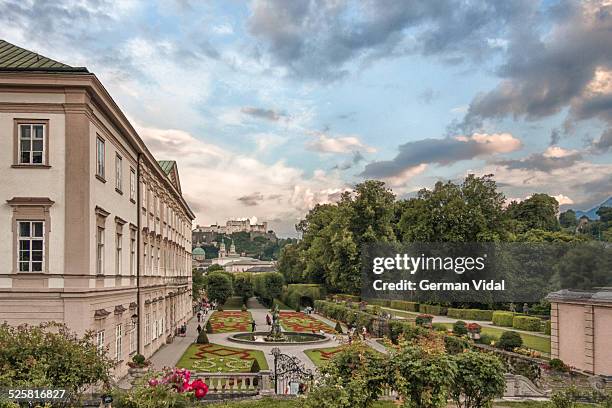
x: 290, y: 376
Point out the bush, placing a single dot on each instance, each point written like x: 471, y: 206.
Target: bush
x: 460, y: 328
x: 470, y: 314
x: 243, y: 286
x: 486, y: 339
x: 345, y: 314
x: 424, y: 320
x: 268, y: 285
x: 380, y: 302
x: 220, y: 308
x: 403, y: 305
x: 479, y: 379
x: 244, y: 308
x: 455, y: 345
x: 338, y: 328
x: 255, y: 367
x: 564, y: 398
x: 441, y: 327
x: 503, y: 319
x: 408, y: 330
x: 138, y: 359
x: 202, y: 337
x: 430, y: 309
x: 527, y: 323
x: 558, y: 365
x: 209, y: 328
x: 547, y: 328
x: 510, y: 340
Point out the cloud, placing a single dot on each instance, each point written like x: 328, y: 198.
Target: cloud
x: 261, y: 113
x: 553, y: 157
x: 221, y: 183
x: 355, y: 160
x: 337, y: 144
x: 442, y: 152
x: 320, y: 39
x: 563, y: 199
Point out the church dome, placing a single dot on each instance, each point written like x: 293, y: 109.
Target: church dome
x: 198, y: 251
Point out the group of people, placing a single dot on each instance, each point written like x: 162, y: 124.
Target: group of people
x: 354, y: 334
x: 202, y: 308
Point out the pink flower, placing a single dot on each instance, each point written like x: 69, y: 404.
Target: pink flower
x: 153, y: 382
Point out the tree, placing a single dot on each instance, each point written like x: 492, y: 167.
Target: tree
x: 274, y: 285
x: 51, y: 356
x: 214, y: 268
x: 291, y: 264
x: 567, y: 219
x: 537, y: 212
x: 202, y: 337
x: 218, y: 287
x: 479, y: 379
x: 243, y: 286
x: 198, y: 283
x: 605, y: 214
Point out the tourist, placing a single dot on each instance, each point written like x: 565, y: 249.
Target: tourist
x: 268, y: 320
x: 199, y: 328
x: 364, y: 332
x: 253, y: 325
x: 199, y: 317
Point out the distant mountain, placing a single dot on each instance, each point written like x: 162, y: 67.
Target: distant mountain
x: 592, y: 213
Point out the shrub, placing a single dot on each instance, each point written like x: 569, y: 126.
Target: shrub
x: 408, y: 330
x: 430, y: 309
x: 220, y: 308
x: 470, y: 314
x: 486, y: 339
x: 380, y: 302
x: 460, y: 328
x: 243, y: 308
x: 479, y: 379
x: 255, y: 367
x: 403, y: 305
x: 209, y: 328
x: 441, y: 327
x: 424, y: 320
x: 338, y: 328
x: 558, y: 365
x: 138, y: 359
x: 293, y: 293
x: 202, y: 337
x: 243, y: 286
x: 564, y: 398
x: 510, y: 340
x: 547, y: 328
x: 455, y: 345
x: 503, y: 319
x: 527, y: 323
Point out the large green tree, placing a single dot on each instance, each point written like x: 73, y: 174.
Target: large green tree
x: 567, y: 219
x: 219, y: 286
x: 537, y: 212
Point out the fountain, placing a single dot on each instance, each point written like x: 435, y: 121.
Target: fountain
x: 276, y: 335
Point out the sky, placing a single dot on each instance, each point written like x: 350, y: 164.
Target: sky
x: 272, y: 106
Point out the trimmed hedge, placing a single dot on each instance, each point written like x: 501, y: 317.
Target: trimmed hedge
x: 404, y: 305
x: 547, y: 327
x: 527, y: 323
x: 430, y: 309
x: 380, y: 302
x: 338, y: 311
x: 344, y: 297
x: 293, y: 293
x: 503, y: 319
x: 470, y: 314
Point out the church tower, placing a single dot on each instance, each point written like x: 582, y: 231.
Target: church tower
x: 222, y: 252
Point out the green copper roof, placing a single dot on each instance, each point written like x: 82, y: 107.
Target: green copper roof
x: 14, y: 58
x: 166, y: 165
x: 198, y: 251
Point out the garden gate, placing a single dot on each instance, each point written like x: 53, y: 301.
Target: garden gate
x: 290, y: 376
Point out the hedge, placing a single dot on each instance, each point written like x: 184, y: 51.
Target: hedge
x: 404, y: 305
x: 547, y: 327
x: 408, y: 330
x: 503, y: 319
x: 470, y: 314
x: 293, y: 293
x: 527, y: 323
x: 338, y: 311
x: 380, y: 302
x: 344, y: 297
x: 430, y: 309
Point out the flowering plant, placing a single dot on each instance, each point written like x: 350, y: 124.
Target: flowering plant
x: 178, y: 379
x: 473, y: 327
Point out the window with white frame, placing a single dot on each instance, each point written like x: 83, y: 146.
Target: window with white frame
x: 144, y: 195
x: 31, y: 246
x: 132, y: 341
x: 100, y: 251
x: 118, y: 249
x: 147, y: 328
x: 155, y: 326
x: 100, y: 157
x: 132, y: 184
x: 132, y: 255
x: 118, y: 341
x: 100, y: 341
x: 32, y: 143
x: 118, y: 173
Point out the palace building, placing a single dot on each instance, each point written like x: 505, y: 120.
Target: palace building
x: 97, y: 234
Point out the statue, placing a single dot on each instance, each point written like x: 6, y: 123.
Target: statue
x: 275, y: 332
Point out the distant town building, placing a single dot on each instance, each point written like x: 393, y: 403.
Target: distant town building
x: 208, y: 234
x: 96, y: 232
x: 233, y: 262
x: 581, y: 329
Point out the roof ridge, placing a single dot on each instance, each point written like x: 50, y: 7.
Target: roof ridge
x: 16, y: 58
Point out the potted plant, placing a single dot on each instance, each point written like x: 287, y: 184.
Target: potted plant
x: 138, y: 366
x: 424, y: 320
x: 474, y: 331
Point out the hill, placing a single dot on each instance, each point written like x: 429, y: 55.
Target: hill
x: 592, y: 213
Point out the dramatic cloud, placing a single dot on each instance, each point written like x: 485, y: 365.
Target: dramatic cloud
x: 355, y: 160
x: 268, y: 114
x: 413, y: 155
x: 251, y: 199
x: 553, y: 158
x: 317, y: 39
x: 337, y: 144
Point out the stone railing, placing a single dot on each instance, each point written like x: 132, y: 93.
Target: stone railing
x: 236, y: 384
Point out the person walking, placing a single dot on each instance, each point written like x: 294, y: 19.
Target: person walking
x: 199, y: 328
x: 199, y: 317
x: 253, y: 325
x: 268, y: 320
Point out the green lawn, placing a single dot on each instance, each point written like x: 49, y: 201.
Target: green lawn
x: 233, y: 303
x: 214, y: 358
x: 322, y: 355
x: 538, y: 343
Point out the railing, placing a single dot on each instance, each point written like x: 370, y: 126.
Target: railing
x: 236, y: 383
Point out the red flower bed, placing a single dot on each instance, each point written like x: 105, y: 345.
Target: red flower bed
x: 300, y: 322
x: 230, y: 321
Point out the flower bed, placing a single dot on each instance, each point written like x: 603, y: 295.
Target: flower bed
x: 321, y: 356
x: 230, y: 321
x: 300, y: 322
x: 215, y: 358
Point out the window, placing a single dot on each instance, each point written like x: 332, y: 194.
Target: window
x: 32, y: 143
x: 144, y: 196
x: 100, y: 341
x: 31, y: 246
x: 100, y: 251
x: 132, y: 341
x: 100, y: 152
x: 146, y: 259
x: 118, y: 342
x: 132, y: 184
x: 147, y: 328
x: 155, y: 326
x: 118, y: 248
x: 118, y: 173
x: 132, y: 255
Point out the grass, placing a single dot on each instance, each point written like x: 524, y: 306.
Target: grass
x: 233, y: 303
x: 538, y: 343
x: 301, y: 322
x: 214, y: 358
x: 322, y: 355
x: 229, y: 321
